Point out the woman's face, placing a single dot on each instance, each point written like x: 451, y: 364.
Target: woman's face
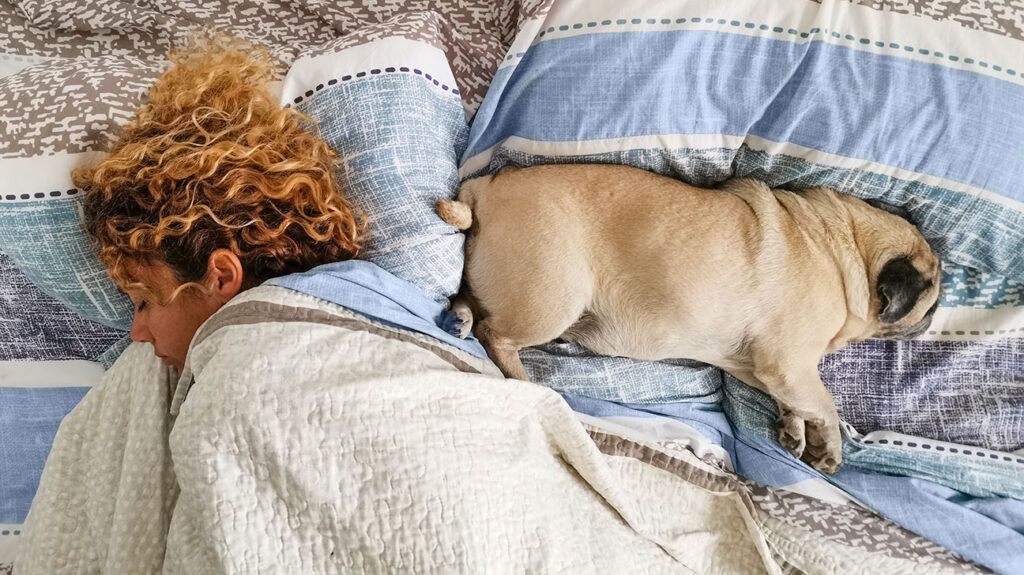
x: 170, y: 328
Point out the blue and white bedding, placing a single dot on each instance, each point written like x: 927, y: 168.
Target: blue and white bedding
x: 696, y: 90
x: 912, y: 111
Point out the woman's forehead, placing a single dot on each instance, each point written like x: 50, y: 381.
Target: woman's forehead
x: 151, y: 276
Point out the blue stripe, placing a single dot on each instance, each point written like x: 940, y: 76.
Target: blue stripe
x: 29, y: 418
x: 945, y: 516
x: 922, y: 117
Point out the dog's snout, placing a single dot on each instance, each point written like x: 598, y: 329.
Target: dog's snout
x: 920, y: 327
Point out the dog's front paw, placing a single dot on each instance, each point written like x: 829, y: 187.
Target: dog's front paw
x: 827, y: 463
x: 824, y: 446
x: 792, y: 433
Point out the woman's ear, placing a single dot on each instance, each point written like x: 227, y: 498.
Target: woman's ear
x: 224, y: 274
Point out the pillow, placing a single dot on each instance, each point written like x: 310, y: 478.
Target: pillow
x: 69, y: 110
x: 914, y: 111
x: 393, y: 112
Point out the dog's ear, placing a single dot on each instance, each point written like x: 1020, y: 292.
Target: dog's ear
x: 892, y: 209
x: 899, y: 286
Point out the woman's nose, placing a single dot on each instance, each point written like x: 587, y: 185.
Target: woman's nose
x: 140, y: 331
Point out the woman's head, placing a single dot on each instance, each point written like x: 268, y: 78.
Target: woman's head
x: 213, y: 187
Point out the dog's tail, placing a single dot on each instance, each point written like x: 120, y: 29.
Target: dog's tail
x: 459, y: 213
x: 456, y: 213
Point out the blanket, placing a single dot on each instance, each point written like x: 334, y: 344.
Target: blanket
x: 309, y: 437
x: 305, y: 437
x: 73, y: 71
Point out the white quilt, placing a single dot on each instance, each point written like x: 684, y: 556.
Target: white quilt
x: 304, y: 438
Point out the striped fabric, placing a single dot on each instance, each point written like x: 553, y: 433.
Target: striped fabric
x: 35, y: 326
x: 393, y: 112
x: 904, y: 109
x: 907, y: 109
x: 913, y: 106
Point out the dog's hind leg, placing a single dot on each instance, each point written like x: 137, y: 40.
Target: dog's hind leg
x: 527, y: 270
x: 511, y: 325
x: 503, y: 351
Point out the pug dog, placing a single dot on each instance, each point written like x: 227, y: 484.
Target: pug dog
x: 759, y: 282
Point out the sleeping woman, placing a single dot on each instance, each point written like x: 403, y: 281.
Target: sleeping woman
x: 212, y: 189
x: 317, y: 418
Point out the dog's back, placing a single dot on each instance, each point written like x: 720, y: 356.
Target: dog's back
x: 614, y: 257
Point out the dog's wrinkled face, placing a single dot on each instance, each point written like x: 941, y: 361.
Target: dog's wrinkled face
x: 907, y: 292
x: 904, y: 271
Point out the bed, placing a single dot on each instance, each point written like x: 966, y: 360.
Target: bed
x: 916, y: 104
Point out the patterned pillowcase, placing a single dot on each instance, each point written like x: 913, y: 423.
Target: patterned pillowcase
x: 69, y: 112
x: 393, y: 112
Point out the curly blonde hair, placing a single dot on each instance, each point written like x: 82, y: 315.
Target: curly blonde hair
x: 211, y: 162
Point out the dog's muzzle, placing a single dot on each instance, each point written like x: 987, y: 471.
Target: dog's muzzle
x: 914, y: 330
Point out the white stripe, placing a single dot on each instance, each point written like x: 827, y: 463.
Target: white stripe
x: 975, y: 324
x: 42, y: 173
x: 705, y: 141
x: 891, y: 436
x: 833, y: 160
x: 310, y: 71
x: 822, y: 490
x: 839, y: 16
x: 570, y: 12
x: 71, y: 373
x: 525, y: 37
